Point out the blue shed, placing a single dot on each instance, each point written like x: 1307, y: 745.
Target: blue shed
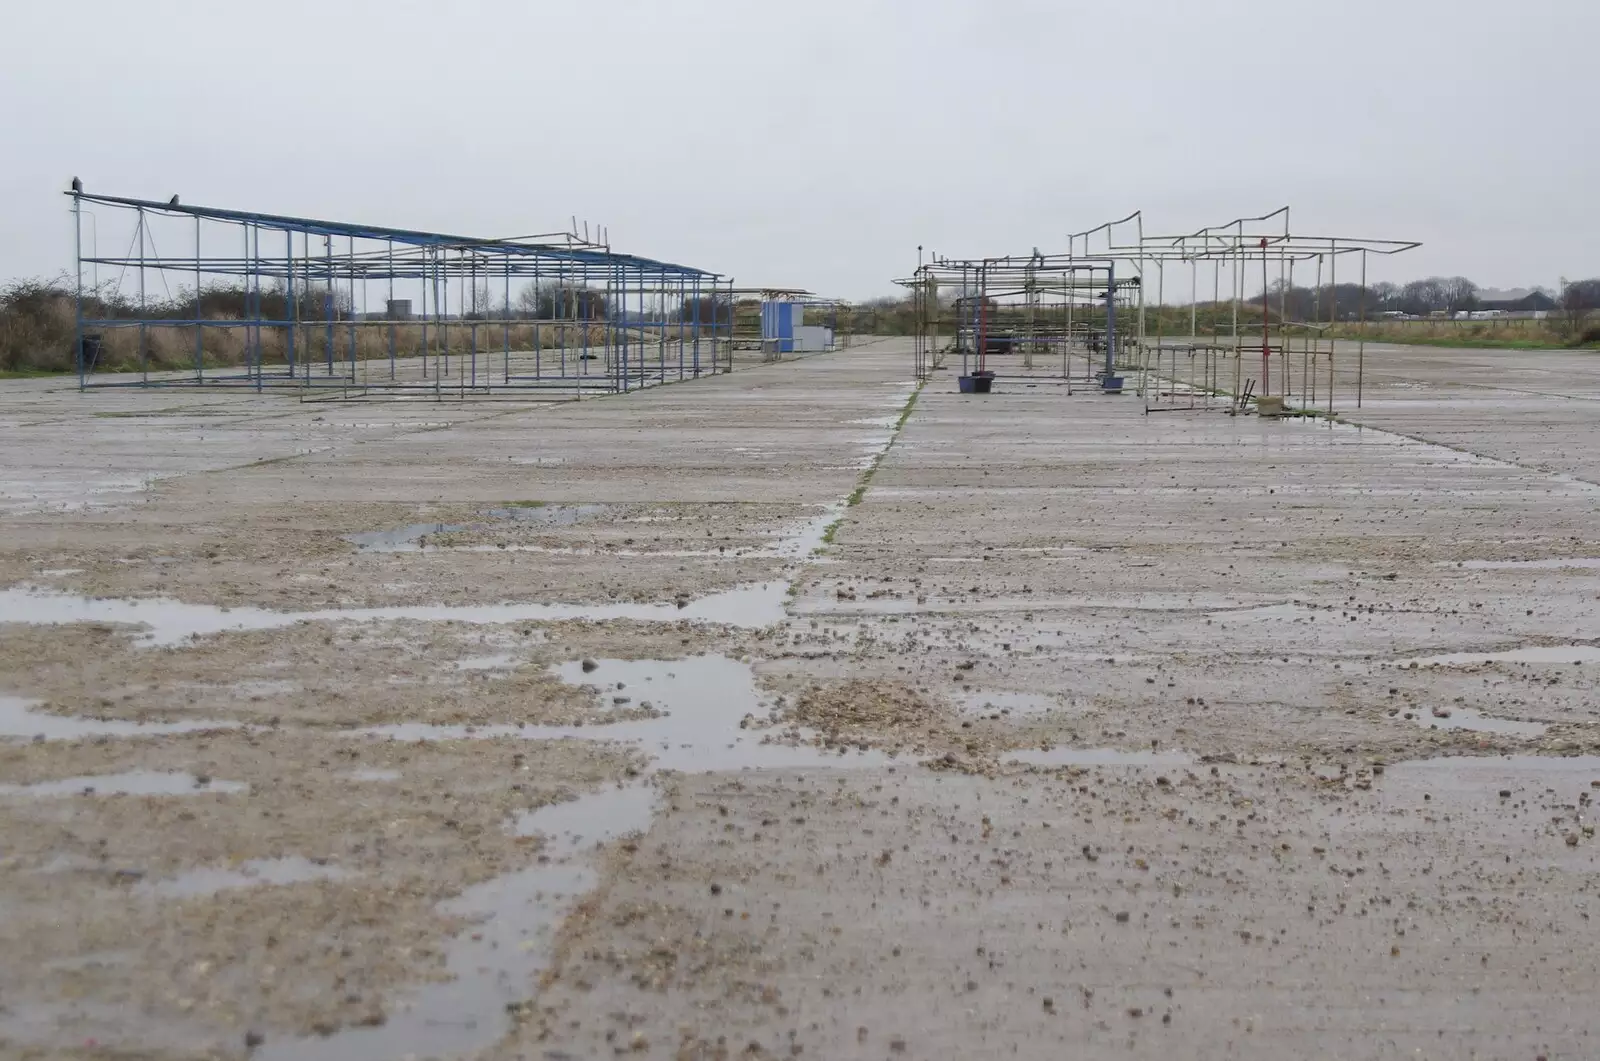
x: 778, y: 323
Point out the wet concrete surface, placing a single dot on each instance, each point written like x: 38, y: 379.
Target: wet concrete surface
x: 169, y: 622
x: 735, y: 720
x: 19, y: 719
x: 132, y: 783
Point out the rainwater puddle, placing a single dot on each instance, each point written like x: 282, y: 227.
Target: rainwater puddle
x: 171, y: 622
x: 208, y: 880
x: 50, y: 1022
x: 552, y: 515
x: 1009, y: 703
x: 1556, y: 655
x: 401, y: 539
x: 808, y: 538
x: 1468, y: 719
x: 264, y: 687
x: 1096, y: 757
x: 373, y: 775
x: 494, y: 964
x: 132, y: 783
x: 413, y: 537
x: 1266, y: 613
x: 1482, y: 774
x: 501, y: 661
x: 1526, y: 565
x: 581, y: 823
x: 1139, y: 603
x: 795, y: 544
x: 703, y: 698
x: 489, y: 973
x: 18, y: 720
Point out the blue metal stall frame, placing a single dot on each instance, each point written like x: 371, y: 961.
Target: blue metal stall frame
x: 1038, y: 305
x: 591, y: 320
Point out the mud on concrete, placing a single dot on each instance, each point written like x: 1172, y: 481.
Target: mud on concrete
x: 614, y: 729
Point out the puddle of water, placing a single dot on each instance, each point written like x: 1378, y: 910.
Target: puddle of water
x: 493, y: 964
x: 171, y: 622
x: 374, y: 775
x: 1059, y: 756
x: 1484, y: 774
x: 500, y: 661
x: 1010, y: 703
x: 594, y: 819
x: 808, y: 537
x: 1518, y: 565
x: 410, y: 538
x: 1266, y: 613
x: 48, y: 1023
x: 388, y: 541
x: 132, y: 783
x: 265, y: 687
x: 467, y: 1013
x: 551, y: 515
x: 573, y: 550
x: 1468, y: 719
x: 1196, y: 603
x: 209, y: 880
x: 1551, y: 654
x: 703, y: 698
x: 796, y: 544
x: 18, y: 720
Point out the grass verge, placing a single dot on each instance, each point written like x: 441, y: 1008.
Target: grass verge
x: 865, y: 480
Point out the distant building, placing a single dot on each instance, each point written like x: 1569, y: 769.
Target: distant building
x: 1534, y: 302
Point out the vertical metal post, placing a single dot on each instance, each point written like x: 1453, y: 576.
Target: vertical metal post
x: 624, y: 364
x: 350, y: 250
x: 694, y: 331
x: 1235, y: 262
x: 1361, y: 336
x: 1266, y: 328
x: 1283, y: 322
x: 252, y: 303
x: 1283, y: 327
x: 472, y: 326
x: 538, y: 327
x: 1111, y: 319
x: 441, y: 335
x: 426, y: 270
x: 558, y: 313
x: 144, y: 362
x: 77, y: 297
x: 327, y: 296
x: 390, y: 268
x: 1333, y: 315
x: 199, y: 353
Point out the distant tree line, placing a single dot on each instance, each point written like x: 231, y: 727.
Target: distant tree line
x: 1419, y: 298
x: 1434, y: 295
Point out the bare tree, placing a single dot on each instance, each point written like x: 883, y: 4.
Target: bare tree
x: 1459, y: 293
x: 531, y: 301
x: 1579, y: 299
x: 480, y: 302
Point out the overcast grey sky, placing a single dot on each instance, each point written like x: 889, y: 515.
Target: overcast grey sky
x: 818, y: 143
